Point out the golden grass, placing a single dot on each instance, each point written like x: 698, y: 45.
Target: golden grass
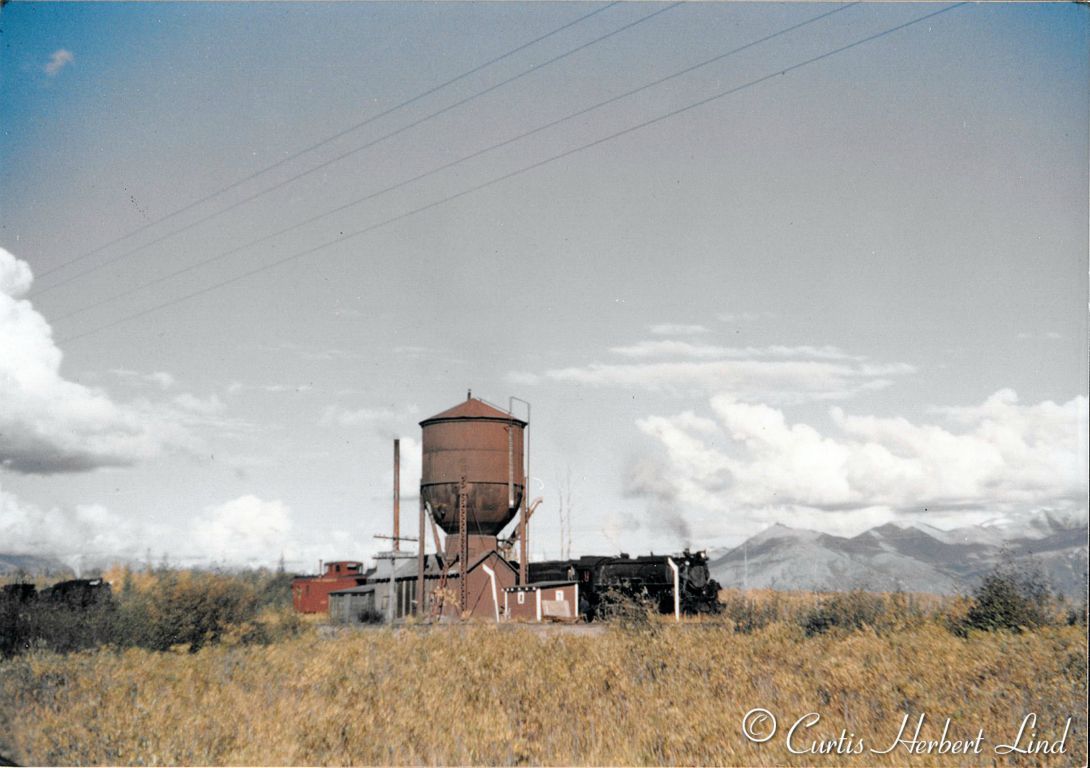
x: 666, y: 694
x: 793, y: 602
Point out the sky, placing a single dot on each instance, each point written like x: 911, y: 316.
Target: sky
x: 833, y: 278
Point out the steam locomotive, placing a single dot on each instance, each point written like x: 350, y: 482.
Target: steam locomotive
x: 648, y: 578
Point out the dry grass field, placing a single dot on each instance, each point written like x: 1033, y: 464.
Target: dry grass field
x: 651, y: 693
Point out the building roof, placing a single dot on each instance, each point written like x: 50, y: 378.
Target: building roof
x: 362, y: 589
x: 402, y: 564
x: 432, y: 570
x: 540, y: 585
x: 477, y: 561
x: 473, y: 408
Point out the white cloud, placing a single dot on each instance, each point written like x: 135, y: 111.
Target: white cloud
x: 161, y: 379
x: 256, y: 532
x: 999, y: 456
x: 779, y: 381
x: 659, y: 348
x: 667, y: 348
x: 386, y: 421
x: 234, y: 387
x: 677, y: 329
x: 777, y: 373
x: 81, y: 536
x: 204, y: 406
x: 49, y: 424
x: 15, y: 276
x: 246, y: 529
x: 58, y: 61
x: 411, y: 469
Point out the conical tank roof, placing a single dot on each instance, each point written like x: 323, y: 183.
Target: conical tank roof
x: 472, y: 408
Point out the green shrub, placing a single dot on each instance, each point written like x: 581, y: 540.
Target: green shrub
x: 748, y: 615
x: 171, y: 608
x: 1010, y: 597
x: 189, y: 608
x: 628, y: 611
x: 850, y: 610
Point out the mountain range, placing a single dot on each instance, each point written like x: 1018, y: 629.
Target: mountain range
x: 910, y: 558
x: 32, y: 565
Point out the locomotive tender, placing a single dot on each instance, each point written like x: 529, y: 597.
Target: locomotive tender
x: 647, y: 577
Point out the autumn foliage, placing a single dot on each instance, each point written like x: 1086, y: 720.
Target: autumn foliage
x: 647, y: 692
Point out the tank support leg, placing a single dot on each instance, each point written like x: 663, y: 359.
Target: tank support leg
x: 463, y: 546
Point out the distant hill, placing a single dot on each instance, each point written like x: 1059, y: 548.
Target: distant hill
x: 911, y: 558
x: 32, y: 565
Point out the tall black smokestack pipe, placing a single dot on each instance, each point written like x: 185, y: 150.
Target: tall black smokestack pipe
x: 397, y: 495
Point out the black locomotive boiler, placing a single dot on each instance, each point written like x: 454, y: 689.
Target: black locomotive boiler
x: 647, y: 578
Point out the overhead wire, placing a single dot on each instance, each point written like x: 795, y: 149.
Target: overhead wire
x: 518, y: 172
x: 343, y: 155
x: 327, y: 140
x: 449, y: 165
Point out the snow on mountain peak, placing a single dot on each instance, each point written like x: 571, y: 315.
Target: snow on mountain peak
x: 781, y: 531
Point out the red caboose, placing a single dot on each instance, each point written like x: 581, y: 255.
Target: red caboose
x: 310, y: 594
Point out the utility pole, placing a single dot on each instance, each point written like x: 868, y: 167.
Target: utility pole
x: 397, y: 494
x: 420, y: 562
x: 524, y: 531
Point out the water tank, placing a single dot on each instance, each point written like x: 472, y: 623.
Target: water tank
x: 484, y: 445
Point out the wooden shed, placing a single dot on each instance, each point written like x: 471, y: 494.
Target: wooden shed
x: 348, y: 606
x: 543, y: 601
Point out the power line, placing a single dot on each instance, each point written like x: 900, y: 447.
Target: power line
x: 449, y: 165
x: 518, y: 172
x: 343, y: 155
x: 327, y: 140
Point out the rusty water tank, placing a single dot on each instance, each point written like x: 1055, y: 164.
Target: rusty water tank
x: 484, y: 445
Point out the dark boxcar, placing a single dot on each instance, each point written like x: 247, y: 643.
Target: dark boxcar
x: 20, y: 593
x: 78, y: 593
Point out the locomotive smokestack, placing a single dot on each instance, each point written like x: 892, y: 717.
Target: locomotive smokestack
x: 397, y: 495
